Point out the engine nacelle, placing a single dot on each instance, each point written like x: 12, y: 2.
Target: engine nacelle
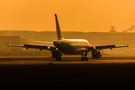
x: 96, y: 54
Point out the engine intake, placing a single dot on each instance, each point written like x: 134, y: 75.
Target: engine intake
x: 96, y: 54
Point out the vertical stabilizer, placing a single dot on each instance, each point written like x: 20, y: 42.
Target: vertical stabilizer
x: 59, y: 35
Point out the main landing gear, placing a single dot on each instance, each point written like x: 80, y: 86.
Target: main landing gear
x: 84, y: 57
x: 57, y: 55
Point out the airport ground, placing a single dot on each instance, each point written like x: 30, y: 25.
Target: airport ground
x: 70, y: 73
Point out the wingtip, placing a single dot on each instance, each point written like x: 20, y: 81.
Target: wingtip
x: 55, y: 14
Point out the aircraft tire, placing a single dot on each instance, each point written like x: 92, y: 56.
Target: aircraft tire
x: 59, y: 59
x: 56, y: 59
x: 82, y: 59
x: 86, y: 58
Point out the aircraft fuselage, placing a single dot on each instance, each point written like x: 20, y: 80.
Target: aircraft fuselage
x: 71, y: 46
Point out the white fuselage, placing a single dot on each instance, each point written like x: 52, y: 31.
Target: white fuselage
x: 71, y: 46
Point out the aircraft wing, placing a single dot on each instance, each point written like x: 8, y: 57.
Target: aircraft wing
x: 40, y: 47
x: 106, y: 47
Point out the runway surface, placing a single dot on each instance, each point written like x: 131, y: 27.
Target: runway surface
x: 65, y: 60
x: 70, y: 73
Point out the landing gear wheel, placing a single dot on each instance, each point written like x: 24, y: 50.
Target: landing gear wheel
x: 58, y: 59
x: 84, y: 56
x: 57, y: 55
x: 82, y: 59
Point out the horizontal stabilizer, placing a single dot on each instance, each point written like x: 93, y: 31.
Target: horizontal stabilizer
x: 14, y: 45
x: 43, y: 42
x: 35, y: 46
x: 82, y: 50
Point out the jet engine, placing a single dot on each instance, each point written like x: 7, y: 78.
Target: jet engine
x: 96, y: 54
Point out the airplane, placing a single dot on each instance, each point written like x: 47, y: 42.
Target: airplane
x: 69, y: 46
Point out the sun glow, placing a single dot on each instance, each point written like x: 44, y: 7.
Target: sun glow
x: 74, y: 15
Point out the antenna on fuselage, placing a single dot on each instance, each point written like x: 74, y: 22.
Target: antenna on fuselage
x: 59, y: 35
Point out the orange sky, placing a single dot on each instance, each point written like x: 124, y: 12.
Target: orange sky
x: 76, y: 15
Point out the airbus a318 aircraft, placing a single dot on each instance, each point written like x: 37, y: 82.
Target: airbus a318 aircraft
x: 69, y: 46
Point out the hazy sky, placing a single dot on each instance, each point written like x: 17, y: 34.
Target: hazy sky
x: 73, y: 15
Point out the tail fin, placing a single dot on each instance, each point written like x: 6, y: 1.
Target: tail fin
x: 59, y: 35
